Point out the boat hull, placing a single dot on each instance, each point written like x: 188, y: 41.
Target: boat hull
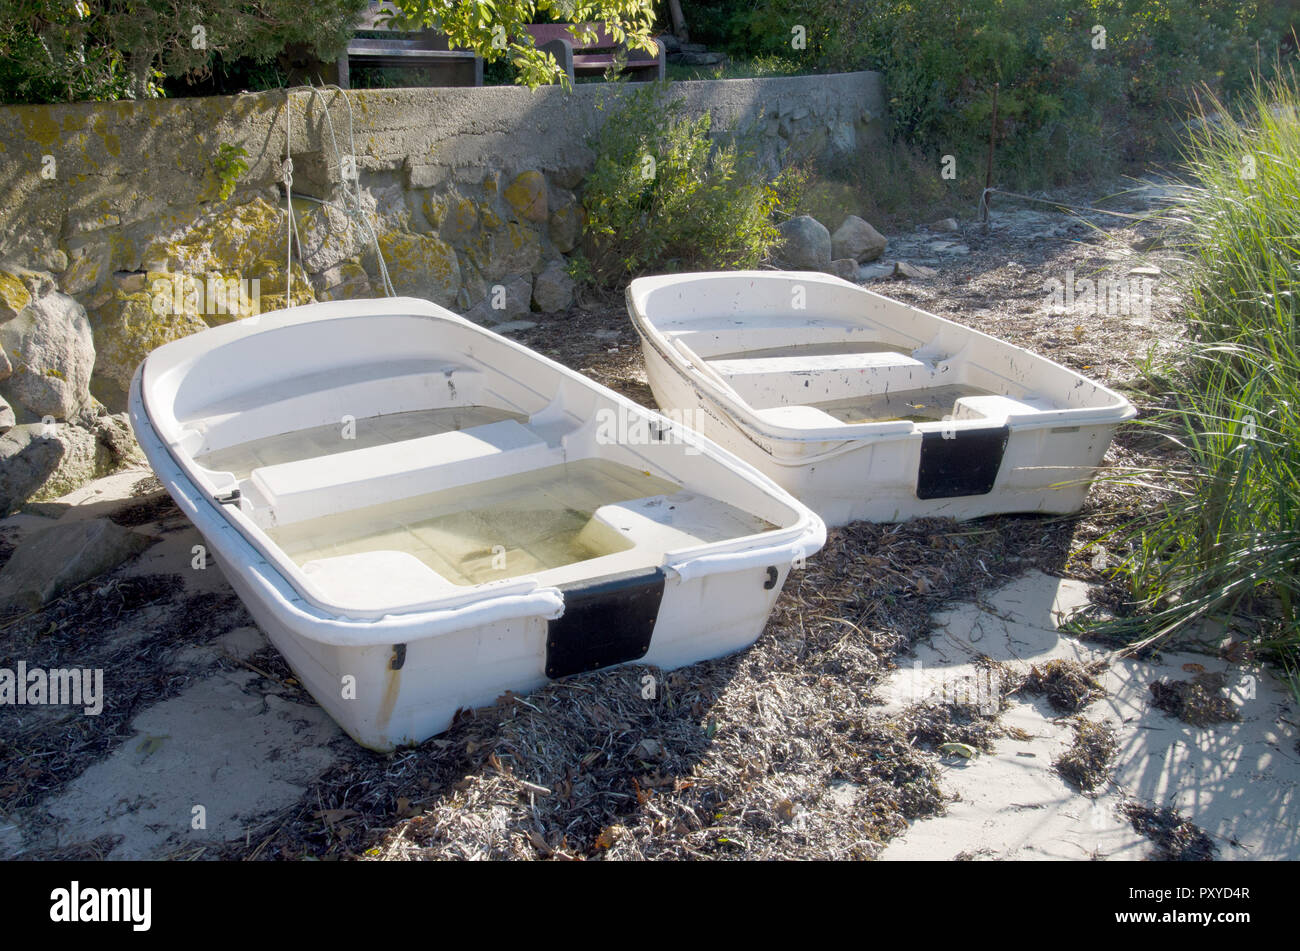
x: 888, y: 473
x: 394, y: 679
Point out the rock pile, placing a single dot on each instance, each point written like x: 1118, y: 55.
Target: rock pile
x: 807, y: 245
x: 54, y: 435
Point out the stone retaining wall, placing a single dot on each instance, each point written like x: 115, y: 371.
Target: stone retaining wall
x: 114, y: 237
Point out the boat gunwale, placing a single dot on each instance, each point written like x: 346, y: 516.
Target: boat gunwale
x: 745, y: 417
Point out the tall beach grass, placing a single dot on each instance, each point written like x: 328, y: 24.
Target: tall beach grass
x: 1224, y: 542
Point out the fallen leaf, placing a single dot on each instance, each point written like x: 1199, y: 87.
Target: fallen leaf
x: 152, y: 744
x: 608, y: 836
x: 959, y: 749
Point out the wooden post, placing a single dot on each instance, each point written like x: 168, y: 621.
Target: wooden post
x: 988, y: 169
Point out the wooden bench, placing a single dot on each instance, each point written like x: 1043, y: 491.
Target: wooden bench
x: 406, y: 49
x: 579, y: 60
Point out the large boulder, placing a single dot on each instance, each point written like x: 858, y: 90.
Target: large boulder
x: 856, y: 239
x: 39, y: 462
x: 506, y: 300
x: 61, y: 557
x: 805, y: 245
x: 52, y: 352
x: 29, y: 455
x: 553, y: 288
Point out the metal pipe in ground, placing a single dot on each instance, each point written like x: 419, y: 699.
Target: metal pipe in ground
x: 988, y: 167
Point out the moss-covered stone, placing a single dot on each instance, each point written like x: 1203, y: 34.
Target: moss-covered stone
x: 566, y: 227
x: 89, y: 268
x: 508, y: 250
x: 342, y: 282
x: 526, y: 194
x: 419, y: 265
x: 14, y: 296
x: 131, y: 325
x: 230, y: 242
x: 459, y: 222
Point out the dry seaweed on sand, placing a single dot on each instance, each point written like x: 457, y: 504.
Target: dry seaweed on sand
x: 1173, y: 838
x: 1068, y: 685
x: 777, y: 752
x: 1201, y: 701
x: 931, y: 725
x: 146, y: 486
x: 144, y: 509
x: 128, y: 626
x: 1087, y: 763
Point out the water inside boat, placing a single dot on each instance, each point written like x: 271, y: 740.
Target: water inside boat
x: 924, y: 405
x: 522, y: 524
x: 362, y: 433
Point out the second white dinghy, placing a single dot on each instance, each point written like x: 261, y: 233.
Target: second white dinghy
x: 866, y: 408
x: 422, y: 514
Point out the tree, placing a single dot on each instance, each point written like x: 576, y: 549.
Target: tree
x: 495, y: 29
x: 66, y: 50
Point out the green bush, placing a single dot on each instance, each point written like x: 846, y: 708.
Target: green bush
x: 1066, y: 108
x: 664, y: 196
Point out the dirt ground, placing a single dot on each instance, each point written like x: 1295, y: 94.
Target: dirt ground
x: 786, y: 750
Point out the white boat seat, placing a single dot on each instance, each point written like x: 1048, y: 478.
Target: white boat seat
x: 323, y: 485
x: 774, y: 381
x: 993, y: 406
x: 377, y: 580
x: 797, y: 417
x: 716, y: 339
x: 651, y: 526
x: 320, y: 398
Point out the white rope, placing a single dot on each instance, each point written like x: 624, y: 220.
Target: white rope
x: 286, y: 175
x: 1079, y: 210
x: 352, y: 207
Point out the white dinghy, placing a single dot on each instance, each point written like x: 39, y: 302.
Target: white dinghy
x: 866, y: 408
x: 422, y: 514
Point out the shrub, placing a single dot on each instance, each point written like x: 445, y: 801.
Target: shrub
x: 664, y: 196
x: 1066, y: 107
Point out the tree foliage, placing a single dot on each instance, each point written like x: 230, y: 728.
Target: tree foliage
x: 67, y: 50
x: 495, y: 29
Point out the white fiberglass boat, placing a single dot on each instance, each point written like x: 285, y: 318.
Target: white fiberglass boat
x: 422, y: 514
x: 866, y: 408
